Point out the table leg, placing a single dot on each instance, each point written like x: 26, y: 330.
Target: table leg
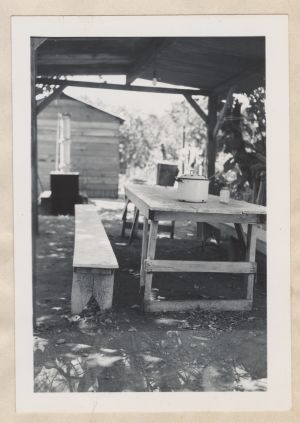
x: 150, y: 256
x: 134, y: 224
x: 250, y: 256
x: 172, y: 229
x: 124, y: 218
x: 144, y: 253
x: 240, y: 234
x: 201, y: 234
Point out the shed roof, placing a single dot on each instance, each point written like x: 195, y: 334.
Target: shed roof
x: 88, y: 104
x: 209, y: 63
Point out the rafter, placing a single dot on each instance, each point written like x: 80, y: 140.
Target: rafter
x: 196, y: 107
x: 147, y: 57
x: 103, y: 85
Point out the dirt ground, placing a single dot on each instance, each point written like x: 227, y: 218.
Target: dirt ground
x: 125, y: 350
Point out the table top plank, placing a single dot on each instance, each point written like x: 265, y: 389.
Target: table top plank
x: 164, y: 199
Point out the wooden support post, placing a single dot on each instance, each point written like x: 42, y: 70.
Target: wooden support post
x: 144, y: 252
x: 124, y: 218
x: 211, y: 140
x: 226, y: 107
x: 150, y: 256
x: 250, y: 256
x: 35, y: 42
x: 134, y: 224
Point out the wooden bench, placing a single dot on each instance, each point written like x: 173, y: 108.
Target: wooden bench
x: 94, y: 261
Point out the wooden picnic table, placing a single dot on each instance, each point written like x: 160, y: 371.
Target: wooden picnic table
x: 157, y: 203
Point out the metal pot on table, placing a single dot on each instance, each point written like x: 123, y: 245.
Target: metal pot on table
x: 192, y: 188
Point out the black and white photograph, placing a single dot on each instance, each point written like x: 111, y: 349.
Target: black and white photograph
x: 148, y: 195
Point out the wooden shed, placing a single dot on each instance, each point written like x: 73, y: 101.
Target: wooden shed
x: 94, y: 145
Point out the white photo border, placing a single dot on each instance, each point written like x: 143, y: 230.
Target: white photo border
x: 275, y: 29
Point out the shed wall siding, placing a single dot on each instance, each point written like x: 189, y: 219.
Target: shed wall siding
x: 94, y: 147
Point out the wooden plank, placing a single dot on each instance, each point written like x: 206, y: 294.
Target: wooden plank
x: 81, y: 69
x: 93, y: 271
x: 150, y: 256
x: 92, y: 246
x: 124, y: 218
x: 104, y: 182
x: 137, y: 88
x: 134, y: 226
x: 172, y: 231
x: 164, y: 199
x: 226, y: 107
x: 83, y: 123
x: 102, y: 193
x: 250, y: 255
x: 201, y: 234
x: 200, y: 266
x: 182, y: 305
x: 144, y: 252
x: 82, y: 137
x: 135, y: 199
x: 208, y: 217
x: 241, y: 235
x: 103, y: 290
x: 82, y: 291
x: 196, y: 107
x: 211, y: 139
x: 35, y: 42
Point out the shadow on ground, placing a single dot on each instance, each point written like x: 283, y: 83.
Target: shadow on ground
x: 125, y: 350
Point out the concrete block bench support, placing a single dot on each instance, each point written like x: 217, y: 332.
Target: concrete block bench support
x: 94, y: 261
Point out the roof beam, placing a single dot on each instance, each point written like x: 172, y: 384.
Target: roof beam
x: 103, y: 85
x: 47, y: 71
x: 196, y: 107
x: 146, y: 58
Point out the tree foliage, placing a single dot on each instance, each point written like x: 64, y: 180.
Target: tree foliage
x: 146, y: 139
x: 243, y: 137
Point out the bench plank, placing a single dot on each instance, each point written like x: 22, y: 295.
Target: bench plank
x: 92, y: 246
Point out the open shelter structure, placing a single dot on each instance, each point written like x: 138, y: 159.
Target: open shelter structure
x: 214, y: 67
